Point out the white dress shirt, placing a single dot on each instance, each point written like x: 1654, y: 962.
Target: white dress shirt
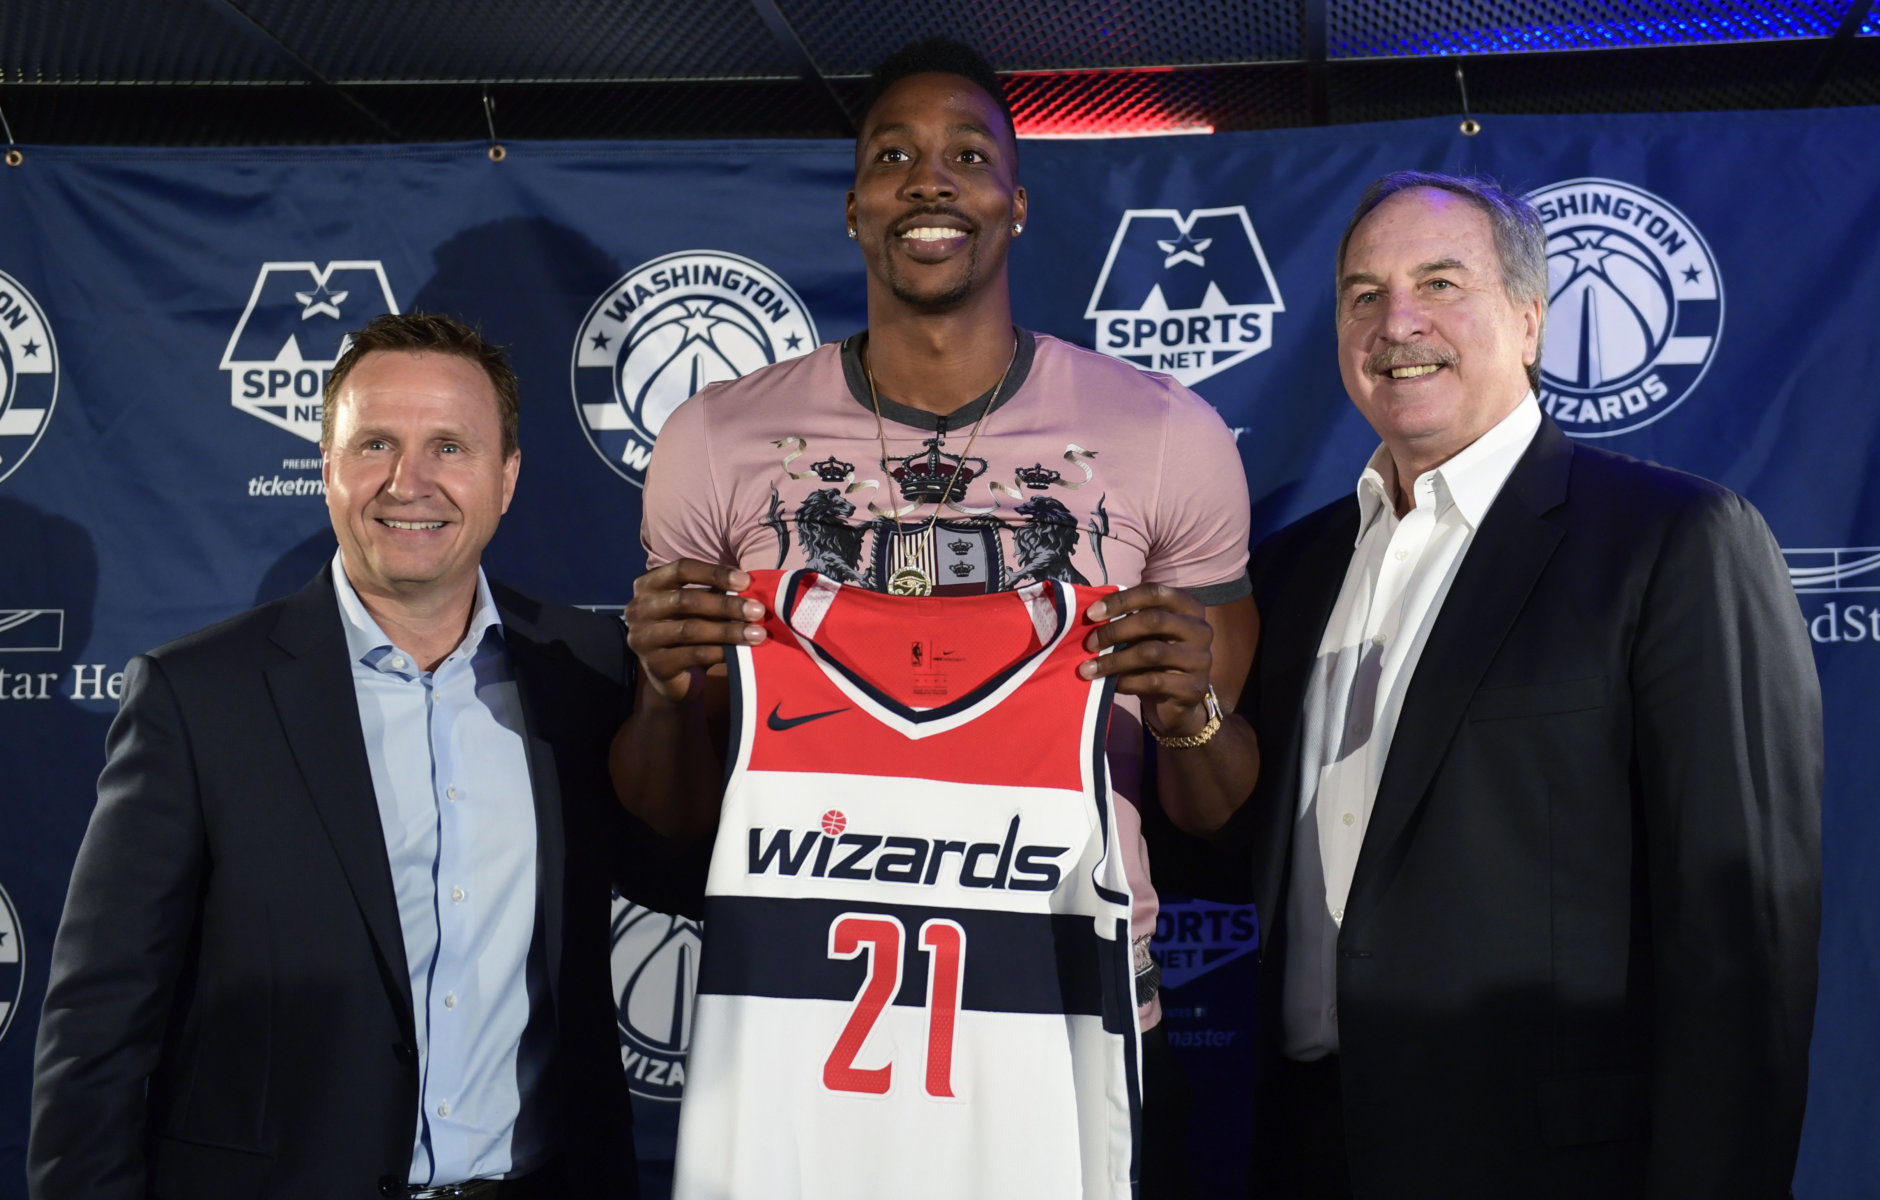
x: 1400, y: 571
x: 451, y: 776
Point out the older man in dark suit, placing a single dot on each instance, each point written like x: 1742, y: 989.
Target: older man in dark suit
x: 1537, y: 845
x: 339, y: 926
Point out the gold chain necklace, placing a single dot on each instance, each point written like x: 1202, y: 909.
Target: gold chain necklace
x: 912, y: 558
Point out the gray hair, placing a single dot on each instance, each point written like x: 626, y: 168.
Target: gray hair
x: 1520, y: 238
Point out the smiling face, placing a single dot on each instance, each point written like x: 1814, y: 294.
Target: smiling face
x: 935, y: 192
x: 1432, y: 349
x: 416, y: 478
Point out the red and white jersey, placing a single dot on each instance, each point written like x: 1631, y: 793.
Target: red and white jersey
x: 916, y: 978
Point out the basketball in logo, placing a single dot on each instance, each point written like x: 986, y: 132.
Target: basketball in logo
x: 29, y: 374
x: 12, y: 962
x: 655, y: 974
x: 1634, y: 306
x: 668, y: 328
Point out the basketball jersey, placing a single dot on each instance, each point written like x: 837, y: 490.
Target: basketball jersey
x: 916, y: 978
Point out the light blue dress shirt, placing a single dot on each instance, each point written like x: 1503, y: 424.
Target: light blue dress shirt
x: 451, y: 776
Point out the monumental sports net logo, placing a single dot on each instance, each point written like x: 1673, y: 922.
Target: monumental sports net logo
x: 12, y: 962
x: 1634, y: 306
x: 655, y: 975
x: 29, y: 373
x: 1848, y: 574
x: 666, y: 329
x: 1194, y: 937
x: 1187, y: 294
x: 299, y: 320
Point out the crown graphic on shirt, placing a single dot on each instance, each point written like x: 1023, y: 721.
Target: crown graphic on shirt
x: 833, y: 469
x: 1037, y: 477
x: 935, y: 476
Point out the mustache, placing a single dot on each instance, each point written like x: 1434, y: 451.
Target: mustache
x: 1406, y: 355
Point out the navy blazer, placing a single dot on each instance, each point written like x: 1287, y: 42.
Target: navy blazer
x: 229, y: 1008
x: 1578, y: 957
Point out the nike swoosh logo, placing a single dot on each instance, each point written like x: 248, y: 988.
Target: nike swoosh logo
x: 781, y: 723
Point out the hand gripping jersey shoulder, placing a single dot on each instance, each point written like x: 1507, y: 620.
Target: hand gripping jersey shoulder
x: 916, y: 976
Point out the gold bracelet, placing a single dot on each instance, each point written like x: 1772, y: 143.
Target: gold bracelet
x: 1200, y: 738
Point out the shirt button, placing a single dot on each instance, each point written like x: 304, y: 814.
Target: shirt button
x: 451, y: 791
x: 1380, y: 640
x: 1350, y: 819
x: 1338, y: 914
x: 398, y: 662
x: 443, y: 1110
x: 1402, y: 554
x: 456, y: 894
x: 450, y: 999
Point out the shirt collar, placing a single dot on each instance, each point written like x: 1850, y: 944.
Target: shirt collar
x: 1470, y: 481
x: 367, y: 643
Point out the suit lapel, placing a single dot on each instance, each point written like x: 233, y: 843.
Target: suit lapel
x: 534, y: 666
x: 319, y: 711
x: 1491, y: 588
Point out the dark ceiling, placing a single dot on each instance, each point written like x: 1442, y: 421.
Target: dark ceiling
x: 274, y: 72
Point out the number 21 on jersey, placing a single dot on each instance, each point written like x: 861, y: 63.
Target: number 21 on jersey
x: 880, y: 937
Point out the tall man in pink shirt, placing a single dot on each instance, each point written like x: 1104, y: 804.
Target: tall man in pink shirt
x: 944, y: 451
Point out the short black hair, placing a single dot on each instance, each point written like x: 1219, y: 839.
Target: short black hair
x: 939, y: 56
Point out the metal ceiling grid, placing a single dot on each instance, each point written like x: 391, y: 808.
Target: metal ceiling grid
x: 848, y: 37
x: 1396, y: 28
x: 432, y: 40
x: 152, y: 41
x: 1653, y: 79
x: 1080, y: 102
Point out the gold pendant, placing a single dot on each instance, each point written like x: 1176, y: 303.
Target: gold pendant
x: 912, y: 561
x: 910, y: 581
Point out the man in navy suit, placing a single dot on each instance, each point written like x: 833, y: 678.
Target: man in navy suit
x: 1536, y: 848
x: 339, y: 925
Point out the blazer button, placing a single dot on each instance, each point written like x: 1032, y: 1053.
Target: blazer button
x: 406, y: 1055
x: 391, y: 1185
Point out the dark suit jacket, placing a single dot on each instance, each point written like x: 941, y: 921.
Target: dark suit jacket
x: 1578, y: 958
x: 231, y: 937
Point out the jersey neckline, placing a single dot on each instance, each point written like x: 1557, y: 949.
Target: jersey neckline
x: 804, y: 596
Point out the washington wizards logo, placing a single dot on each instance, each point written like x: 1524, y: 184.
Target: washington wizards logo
x: 1634, y: 306
x: 655, y: 975
x: 29, y: 375
x: 12, y: 962
x: 666, y: 329
x: 298, y: 321
x: 1186, y: 294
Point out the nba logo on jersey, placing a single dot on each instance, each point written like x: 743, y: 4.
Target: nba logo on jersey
x: 299, y: 320
x: 1189, y: 295
x: 1634, y: 306
x: 29, y: 374
x: 666, y: 329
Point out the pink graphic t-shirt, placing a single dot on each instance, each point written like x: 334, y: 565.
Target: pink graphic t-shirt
x: 1080, y: 468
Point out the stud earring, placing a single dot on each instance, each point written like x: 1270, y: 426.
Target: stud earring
x: 1017, y: 228
x: 851, y: 233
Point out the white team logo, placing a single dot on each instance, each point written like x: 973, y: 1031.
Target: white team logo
x: 655, y: 974
x: 24, y: 629
x: 1634, y: 306
x: 1839, y: 569
x: 29, y: 373
x: 299, y: 320
x: 12, y: 962
x: 666, y: 329
x: 1188, y: 294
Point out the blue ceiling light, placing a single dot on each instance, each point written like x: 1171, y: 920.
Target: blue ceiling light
x: 1380, y: 29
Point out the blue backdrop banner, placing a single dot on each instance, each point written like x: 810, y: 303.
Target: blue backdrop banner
x: 167, y: 318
